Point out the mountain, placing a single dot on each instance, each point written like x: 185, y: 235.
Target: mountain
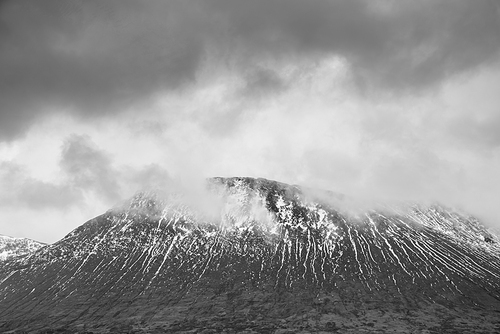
x: 259, y: 256
x: 14, y: 247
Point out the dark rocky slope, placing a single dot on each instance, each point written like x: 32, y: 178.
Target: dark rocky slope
x: 275, y: 261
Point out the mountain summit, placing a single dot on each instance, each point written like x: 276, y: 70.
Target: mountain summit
x: 259, y: 256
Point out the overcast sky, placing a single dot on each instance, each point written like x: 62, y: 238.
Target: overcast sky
x: 380, y: 99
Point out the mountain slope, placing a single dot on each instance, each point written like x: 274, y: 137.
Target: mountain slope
x: 13, y: 247
x: 275, y: 258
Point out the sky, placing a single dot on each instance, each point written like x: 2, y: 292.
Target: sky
x: 379, y: 99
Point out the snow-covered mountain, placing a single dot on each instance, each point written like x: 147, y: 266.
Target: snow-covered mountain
x: 259, y: 256
x: 14, y: 247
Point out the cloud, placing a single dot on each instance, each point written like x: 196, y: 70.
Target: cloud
x: 19, y: 189
x: 89, y: 168
x: 263, y: 81
x: 90, y: 58
x: 481, y: 133
x: 85, y: 171
x: 473, y: 112
x: 396, y: 44
x: 93, y: 59
x: 379, y: 98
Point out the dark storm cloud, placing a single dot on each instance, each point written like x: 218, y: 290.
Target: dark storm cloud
x: 90, y: 57
x: 394, y: 43
x: 97, y: 58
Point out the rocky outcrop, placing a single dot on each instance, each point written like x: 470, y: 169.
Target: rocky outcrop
x: 15, y: 247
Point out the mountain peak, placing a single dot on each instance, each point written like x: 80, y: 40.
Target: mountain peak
x: 263, y: 252
x: 145, y: 201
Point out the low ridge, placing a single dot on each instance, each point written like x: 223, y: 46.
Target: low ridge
x: 14, y: 247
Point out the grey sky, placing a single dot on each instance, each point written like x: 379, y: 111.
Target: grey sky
x: 383, y: 98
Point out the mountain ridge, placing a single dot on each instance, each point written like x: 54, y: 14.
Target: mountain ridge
x: 273, y: 253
